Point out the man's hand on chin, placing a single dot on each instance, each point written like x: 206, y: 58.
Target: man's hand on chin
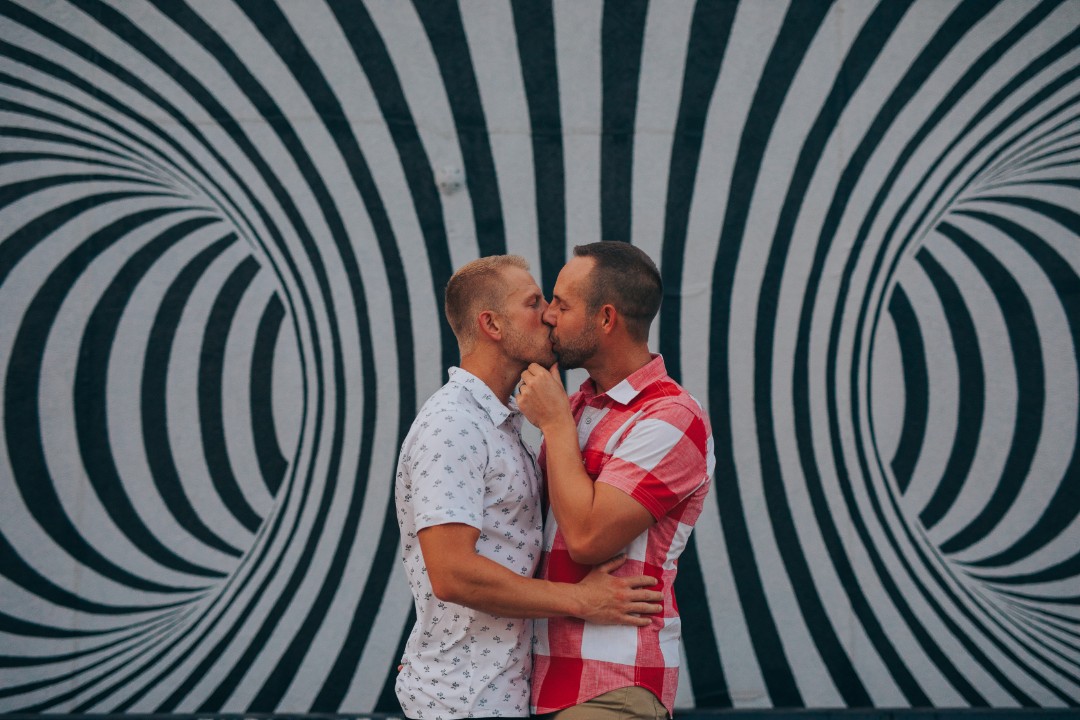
x: 541, y: 396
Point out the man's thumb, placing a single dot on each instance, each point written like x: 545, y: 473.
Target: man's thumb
x: 554, y: 370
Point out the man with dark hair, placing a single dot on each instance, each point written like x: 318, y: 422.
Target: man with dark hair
x: 468, y: 506
x: 628, y: 462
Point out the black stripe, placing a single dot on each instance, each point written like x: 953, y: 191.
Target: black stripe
x: 1053, y: 148
x: 1001, y: 97
x: 1033, y: 168
x: 371, y: 53
x: 13, y: 158
x: 1047, y: 625
x: 278, y: 31
x: 972, y: 389
x: 857, y: 64
x: 211, y: 393
x: 18, y: 571
x: 22, y: 419
x: 134, y: 151
x: 534, y: 24
x: 799, y: 27
x: 961, y: 637
x: 107, y: 145
x: 338, y: 680
x: 1030, y: 384
x: 388, y: 701
x: 66, y: 679
x: 621, y: 37
x: 710, y: 30
x: 916, y: 387
x: 442, y: 23
x: 1047, y: 145
x: 27, y: 236
x: 272, y: 464
x: 120, y: 682
x: 152, y: 393
x: 91, y: 399
x: 1064, y: 506
x: 1031, y: 140
x: 20, y: 242
x: 1042, y: 599
x: 957, y: 25
x: 128, y: 160
x: 26, y: 661
x: 94, y: 154
x: 198, y: 30
x: 27, y: 628
x: 71, y: 693
x: 702, y: 653
x: 103, y: 63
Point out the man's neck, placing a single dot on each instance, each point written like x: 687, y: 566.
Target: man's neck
x: 614, y: 367
x: 500, y: 376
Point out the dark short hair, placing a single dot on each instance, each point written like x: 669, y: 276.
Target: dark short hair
x: 626, y: 278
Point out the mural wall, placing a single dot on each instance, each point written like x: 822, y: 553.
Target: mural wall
x: 225, y: 228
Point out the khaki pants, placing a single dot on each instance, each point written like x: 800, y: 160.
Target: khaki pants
x: 629, y: 703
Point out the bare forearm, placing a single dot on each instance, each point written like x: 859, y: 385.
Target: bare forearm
x: 597, y: 521
x: 485, y: 585
x: 570, y: 489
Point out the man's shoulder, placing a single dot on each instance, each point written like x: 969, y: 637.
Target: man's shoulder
x: 667, y: 394
x: 452, y: 398
x: 450, y: 407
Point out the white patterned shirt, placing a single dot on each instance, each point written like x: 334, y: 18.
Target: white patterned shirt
x: 464, y: 461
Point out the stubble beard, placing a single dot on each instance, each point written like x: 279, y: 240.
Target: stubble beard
x: 575, y: 353
x: 518, y: 347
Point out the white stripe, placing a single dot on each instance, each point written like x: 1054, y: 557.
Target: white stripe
x: 649, y: 443
x: 610, y: 643
x: 678, y: 544
x: 670, y: 635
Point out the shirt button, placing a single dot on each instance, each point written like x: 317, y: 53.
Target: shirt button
x: 588, y: 421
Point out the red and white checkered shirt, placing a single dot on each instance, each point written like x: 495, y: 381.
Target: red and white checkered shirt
x: 649, y: 438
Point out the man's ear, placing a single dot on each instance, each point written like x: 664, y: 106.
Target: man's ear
x: 490, y: 324
x: 608, y: 316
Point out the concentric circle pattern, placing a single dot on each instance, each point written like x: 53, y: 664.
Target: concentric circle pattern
x: 225, y: 228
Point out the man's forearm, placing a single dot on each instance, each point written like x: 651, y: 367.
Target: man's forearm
x: 597, y: 521
x: 570, y: 489
x: 485, y: 585
x: 600, y: 597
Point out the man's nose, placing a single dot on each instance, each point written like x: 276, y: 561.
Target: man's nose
x: 549, y: 316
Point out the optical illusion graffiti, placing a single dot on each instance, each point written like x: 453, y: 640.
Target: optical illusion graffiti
x: 224, y: 233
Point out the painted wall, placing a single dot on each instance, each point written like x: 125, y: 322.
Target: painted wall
x: 224, y: 233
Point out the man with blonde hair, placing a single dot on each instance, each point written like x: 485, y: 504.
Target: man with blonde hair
x: 469, y: 510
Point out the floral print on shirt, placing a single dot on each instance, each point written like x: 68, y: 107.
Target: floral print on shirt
x: 463, y: 461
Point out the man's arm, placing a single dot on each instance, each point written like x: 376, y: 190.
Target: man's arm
x: 597, y: 520
x: 459, y: 575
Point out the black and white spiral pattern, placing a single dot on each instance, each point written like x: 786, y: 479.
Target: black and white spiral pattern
x: 225, y: 228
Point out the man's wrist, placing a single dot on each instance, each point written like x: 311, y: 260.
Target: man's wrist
x: 558, y: 424
x: 576, y: 605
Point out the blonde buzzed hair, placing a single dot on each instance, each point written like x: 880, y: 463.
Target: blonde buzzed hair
x: 475, y: 287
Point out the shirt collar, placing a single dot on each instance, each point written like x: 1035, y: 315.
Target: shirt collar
x: 625, y: 391
x: 484, y: 397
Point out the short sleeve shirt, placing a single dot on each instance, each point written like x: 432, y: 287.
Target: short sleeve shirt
x: 649, y: 438
x: 463, y: 461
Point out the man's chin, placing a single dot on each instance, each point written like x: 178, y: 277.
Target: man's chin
x: 565, y: 362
